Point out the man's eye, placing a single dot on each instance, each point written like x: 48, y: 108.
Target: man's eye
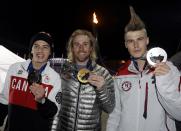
x: 46, y: 47
x: 35, y: 46
x: 141, y: 38
x: 129, y: 41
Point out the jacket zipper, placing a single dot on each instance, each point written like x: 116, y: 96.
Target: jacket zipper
x: 77, y: 105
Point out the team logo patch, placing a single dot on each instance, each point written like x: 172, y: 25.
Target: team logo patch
x: 20, y: 72
x: 46, y: 79
x: 126, y: 85
x: 58, y: 97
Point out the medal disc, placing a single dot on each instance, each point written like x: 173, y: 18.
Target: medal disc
x: 156, y: 55
x: 83, y: 75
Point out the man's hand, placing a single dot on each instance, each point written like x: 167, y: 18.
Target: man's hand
x: 96, y: 80
x: 38, y: 91
x: 161, y: 69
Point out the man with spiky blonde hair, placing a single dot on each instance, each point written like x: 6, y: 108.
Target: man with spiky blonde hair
x: 143, y: 104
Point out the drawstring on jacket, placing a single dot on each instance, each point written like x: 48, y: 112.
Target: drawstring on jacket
x: 146, y: 101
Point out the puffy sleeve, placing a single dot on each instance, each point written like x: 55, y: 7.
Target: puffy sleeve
x: 106, y: 96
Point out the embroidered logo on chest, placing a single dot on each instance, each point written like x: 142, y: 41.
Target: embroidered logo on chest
x: 126, y: 85
x: 20, y: 72
x: 46, y: 79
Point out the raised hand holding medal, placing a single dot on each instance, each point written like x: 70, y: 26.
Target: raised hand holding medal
x: 86, y: 76
x: 157, y: 58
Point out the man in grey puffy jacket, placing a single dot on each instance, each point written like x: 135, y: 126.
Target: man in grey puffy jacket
x: 87, y: 88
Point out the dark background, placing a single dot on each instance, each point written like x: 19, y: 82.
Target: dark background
x: 20, y: 19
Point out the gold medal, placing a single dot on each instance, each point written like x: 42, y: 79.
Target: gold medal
x: 83, y: 75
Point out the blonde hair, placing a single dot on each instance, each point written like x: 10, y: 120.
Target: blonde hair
x: 93, y: 55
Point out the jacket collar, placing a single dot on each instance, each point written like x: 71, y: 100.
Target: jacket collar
x: 26, y: 64
x: 133, y: 69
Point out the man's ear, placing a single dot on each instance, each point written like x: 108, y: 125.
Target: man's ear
x: 125, y: 45
x: 148, y: 41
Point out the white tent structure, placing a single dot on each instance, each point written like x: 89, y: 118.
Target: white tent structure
x: 6, y: 59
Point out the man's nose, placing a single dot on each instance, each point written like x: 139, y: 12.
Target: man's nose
x: 40, y: 49
x: 81, y: 47
x: 135, y: 43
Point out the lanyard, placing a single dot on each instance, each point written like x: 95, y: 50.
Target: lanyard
x: 31, y: 69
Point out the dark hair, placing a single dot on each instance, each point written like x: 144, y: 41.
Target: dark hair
x: 41, y: 36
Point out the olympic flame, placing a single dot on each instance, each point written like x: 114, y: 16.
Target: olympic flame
x: 95, y: 18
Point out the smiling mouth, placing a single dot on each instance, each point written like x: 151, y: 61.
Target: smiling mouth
x: 40, y: 56
x: 82, y: 52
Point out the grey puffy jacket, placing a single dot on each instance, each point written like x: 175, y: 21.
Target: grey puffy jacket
x: 82, y: 104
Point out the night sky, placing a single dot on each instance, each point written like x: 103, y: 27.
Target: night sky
x: 20, y: 19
